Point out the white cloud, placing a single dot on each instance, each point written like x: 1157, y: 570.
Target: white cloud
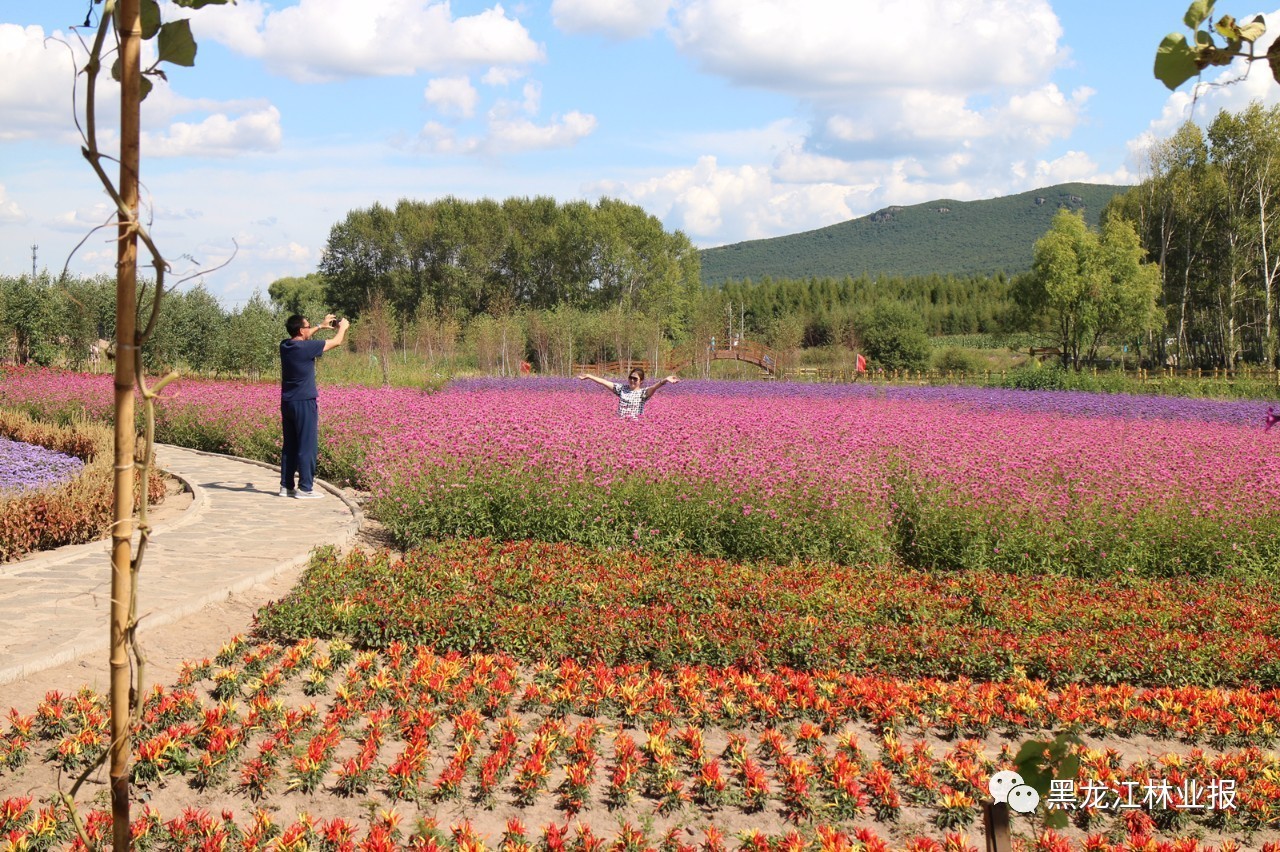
x: 739, y: 144
x: 319, y: 40
x: 84, y: 218
x: 174, y: 214
x: 716, y: 203
x: 529, y: 104
x: 453, y: 96
x: 613, y: 18
x: 926, y: 123
x: 908, y: 102
x: 10, y: 212
x: 863, y: 47
x: 438, y: 139
x: 709, y: 200
x: 795, y: 165
x: 1071, y: 166
x: 511, y: 128
x: 532, y: 98
x: 1044, y: 113
x: 36, y: 77
x: 500, y: 75
x: 509, y: 135
x: 217, y: 136
x: 290, y: 252
x: 913, y: 120
x: 514, y: 136
x: 239, y: 26
x: 947, y: 135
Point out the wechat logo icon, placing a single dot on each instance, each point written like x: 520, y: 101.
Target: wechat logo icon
x: 1008, y: 787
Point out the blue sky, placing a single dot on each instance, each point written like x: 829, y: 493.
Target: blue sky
x: 727, y: 119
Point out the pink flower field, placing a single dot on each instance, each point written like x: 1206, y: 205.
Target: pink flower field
x: 952, y: 478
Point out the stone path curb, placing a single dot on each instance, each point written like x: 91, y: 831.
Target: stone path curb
x: 237, y: 533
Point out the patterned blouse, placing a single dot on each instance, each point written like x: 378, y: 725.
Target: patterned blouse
x: 630, y: 402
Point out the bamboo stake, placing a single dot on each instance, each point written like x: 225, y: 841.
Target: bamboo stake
x: 129, y: 32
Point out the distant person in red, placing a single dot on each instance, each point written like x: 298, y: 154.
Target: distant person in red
x: 299, y: 412
x: 860, y: 368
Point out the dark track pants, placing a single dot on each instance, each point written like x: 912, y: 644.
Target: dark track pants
x: 301, y: 421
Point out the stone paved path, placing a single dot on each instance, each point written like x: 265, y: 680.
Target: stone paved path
x: 237, y: 533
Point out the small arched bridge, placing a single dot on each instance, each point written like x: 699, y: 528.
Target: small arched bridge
x: 684, y: 357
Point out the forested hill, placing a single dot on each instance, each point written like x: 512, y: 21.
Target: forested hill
x: 937, y: 237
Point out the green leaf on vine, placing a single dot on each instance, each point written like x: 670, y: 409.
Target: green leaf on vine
x: 176, y: 43
x: 1040, y: 762
x: 144, y: 85
x: 1232, y: 31
x: 200, y: 4
x: 1175, y: 61
x: 1273, y: 59
x: 1197, y: 13
x: 150, y: 14
x: 1253, y: 30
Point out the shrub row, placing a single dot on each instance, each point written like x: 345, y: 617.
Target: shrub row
x: 541, y: 601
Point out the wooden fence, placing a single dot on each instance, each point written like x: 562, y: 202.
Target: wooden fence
x: 999, y: 377
x: 987, y: 377
x: 687, y: 357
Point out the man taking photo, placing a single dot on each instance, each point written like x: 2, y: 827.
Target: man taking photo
x: 299, y: 413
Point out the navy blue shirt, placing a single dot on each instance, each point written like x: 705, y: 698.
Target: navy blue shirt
x: 298, y: 369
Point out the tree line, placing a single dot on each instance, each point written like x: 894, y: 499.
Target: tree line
x: 60, y: 320
x: 832, y: 310
x: 490, y: 257
x: 1208, y: 217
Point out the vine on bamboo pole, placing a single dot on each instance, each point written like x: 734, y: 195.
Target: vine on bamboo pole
x: 123, y: 26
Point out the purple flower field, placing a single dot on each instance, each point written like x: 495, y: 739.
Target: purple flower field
x: 24, y: 467
x: 1070, y: 403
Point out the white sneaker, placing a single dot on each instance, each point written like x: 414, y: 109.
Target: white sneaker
x: 286, y: 492
x: 308, y: 495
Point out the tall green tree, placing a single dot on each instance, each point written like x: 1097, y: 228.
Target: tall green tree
x: 476, y: 257
x: 1089, y: 287
x: 253, y: 336
x: 1246, y: 149
x: 35, y: 317
x: 359, y: 259
x: 1176, y: 211
x: 894, y: 337
x: 201, y: 323
x: 301, y: 294
x: 1129, y: 287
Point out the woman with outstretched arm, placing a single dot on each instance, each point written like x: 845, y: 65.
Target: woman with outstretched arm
x: 631, y: 397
